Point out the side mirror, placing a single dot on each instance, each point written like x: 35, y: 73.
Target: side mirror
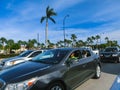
x: 68, y: 62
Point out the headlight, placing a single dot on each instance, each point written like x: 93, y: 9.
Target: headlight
x: 21, y: 85
x: 101, y: 55
x: 11, y: 63
x: 115, y: 55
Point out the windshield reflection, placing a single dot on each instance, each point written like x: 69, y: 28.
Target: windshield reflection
x: 51, y: 56
x: 25, y: 53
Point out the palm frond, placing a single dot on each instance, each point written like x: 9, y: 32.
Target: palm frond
x: 52, y: 20
x: 47, y: 9
x: 42, y: 19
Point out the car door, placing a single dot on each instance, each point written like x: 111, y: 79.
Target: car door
x: 75, y: 71
x: 89, y: 64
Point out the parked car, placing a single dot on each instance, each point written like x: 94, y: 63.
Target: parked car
x: 110, y: 54
x: 24, y: 56
x: 52, y: 70
x: 96, y: 51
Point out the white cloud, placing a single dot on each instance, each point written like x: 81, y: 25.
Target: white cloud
x: 23, y: 23
x: 64, y: 4
x: 108, y: 11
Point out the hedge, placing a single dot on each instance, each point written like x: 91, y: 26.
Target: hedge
x: 7, y: 56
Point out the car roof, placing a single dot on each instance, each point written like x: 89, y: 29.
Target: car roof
x: 70, y: 49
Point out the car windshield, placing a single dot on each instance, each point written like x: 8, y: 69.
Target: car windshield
x: 51, y: 56
x: 111, y: 50
x: 25, y: 53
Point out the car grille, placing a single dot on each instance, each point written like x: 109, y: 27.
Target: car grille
x: 107, y: 54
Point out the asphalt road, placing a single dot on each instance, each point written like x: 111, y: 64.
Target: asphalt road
x: 109, y: 73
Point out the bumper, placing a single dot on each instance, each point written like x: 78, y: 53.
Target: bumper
x: 1, y: 67
x: 109, y: 59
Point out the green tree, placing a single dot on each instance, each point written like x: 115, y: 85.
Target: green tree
x: 3, y: 41
x: 49, y: 13
x: 79, y: 43
x: 68, y: 42
x: 73, y: 38
x: 89, y: 41
x: 31, y: 43
x: 60, y: 43
x: 9, y: 45
x: 97, y: 37
x: 15, y: 46
x: 106, y: 39
x: 50, y: 45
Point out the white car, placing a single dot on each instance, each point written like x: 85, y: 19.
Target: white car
x: 96, y: 51
x: 24, y: 56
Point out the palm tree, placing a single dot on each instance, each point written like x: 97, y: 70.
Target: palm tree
x: 73, y: 38
x: 3, y: 41
x: 10, y: 43
x: 49, y: 12
x: 31, y: 43
x: 106, y: 39
x: 93, y: 39
x: 89, y: 41
x: 97, y: 37
x: 79, y: 43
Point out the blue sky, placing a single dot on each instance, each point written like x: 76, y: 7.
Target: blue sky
x: 20, y: 19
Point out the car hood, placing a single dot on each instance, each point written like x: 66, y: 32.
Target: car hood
x: 23, y: 71
x: 12, y: 58
x: 108, y: 52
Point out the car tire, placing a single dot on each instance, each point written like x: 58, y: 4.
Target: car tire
x: 97, y: 72
x: 118, y: 60
x: 56, y: 86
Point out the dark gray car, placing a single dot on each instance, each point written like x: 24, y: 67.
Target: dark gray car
x: 110, y: 54
x: 54, y: 69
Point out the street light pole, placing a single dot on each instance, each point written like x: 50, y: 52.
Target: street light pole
x: 64, y: 27
x: 101, y: 38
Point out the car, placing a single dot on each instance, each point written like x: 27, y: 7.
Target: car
x: 110, y: 54
x: 24, y: 56
x: 52, y: 70
x: 96, y: 51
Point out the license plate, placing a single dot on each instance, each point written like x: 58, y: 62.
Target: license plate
x: 107, y: 55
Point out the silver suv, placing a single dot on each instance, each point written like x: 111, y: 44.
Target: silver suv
x: 24, y: 56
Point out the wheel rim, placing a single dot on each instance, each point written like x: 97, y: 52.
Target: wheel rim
x: 56, y: 88
x: 118, y: 59
x: 98, y: 72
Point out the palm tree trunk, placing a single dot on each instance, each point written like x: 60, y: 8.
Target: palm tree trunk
x: 46, y: 34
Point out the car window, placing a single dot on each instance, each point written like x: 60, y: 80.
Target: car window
x: 25, y: 53
x: 51, y: 56
x: 85, y: 53
x: 75, y: 55
x: 88, y: 53
x: 35, y: 53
